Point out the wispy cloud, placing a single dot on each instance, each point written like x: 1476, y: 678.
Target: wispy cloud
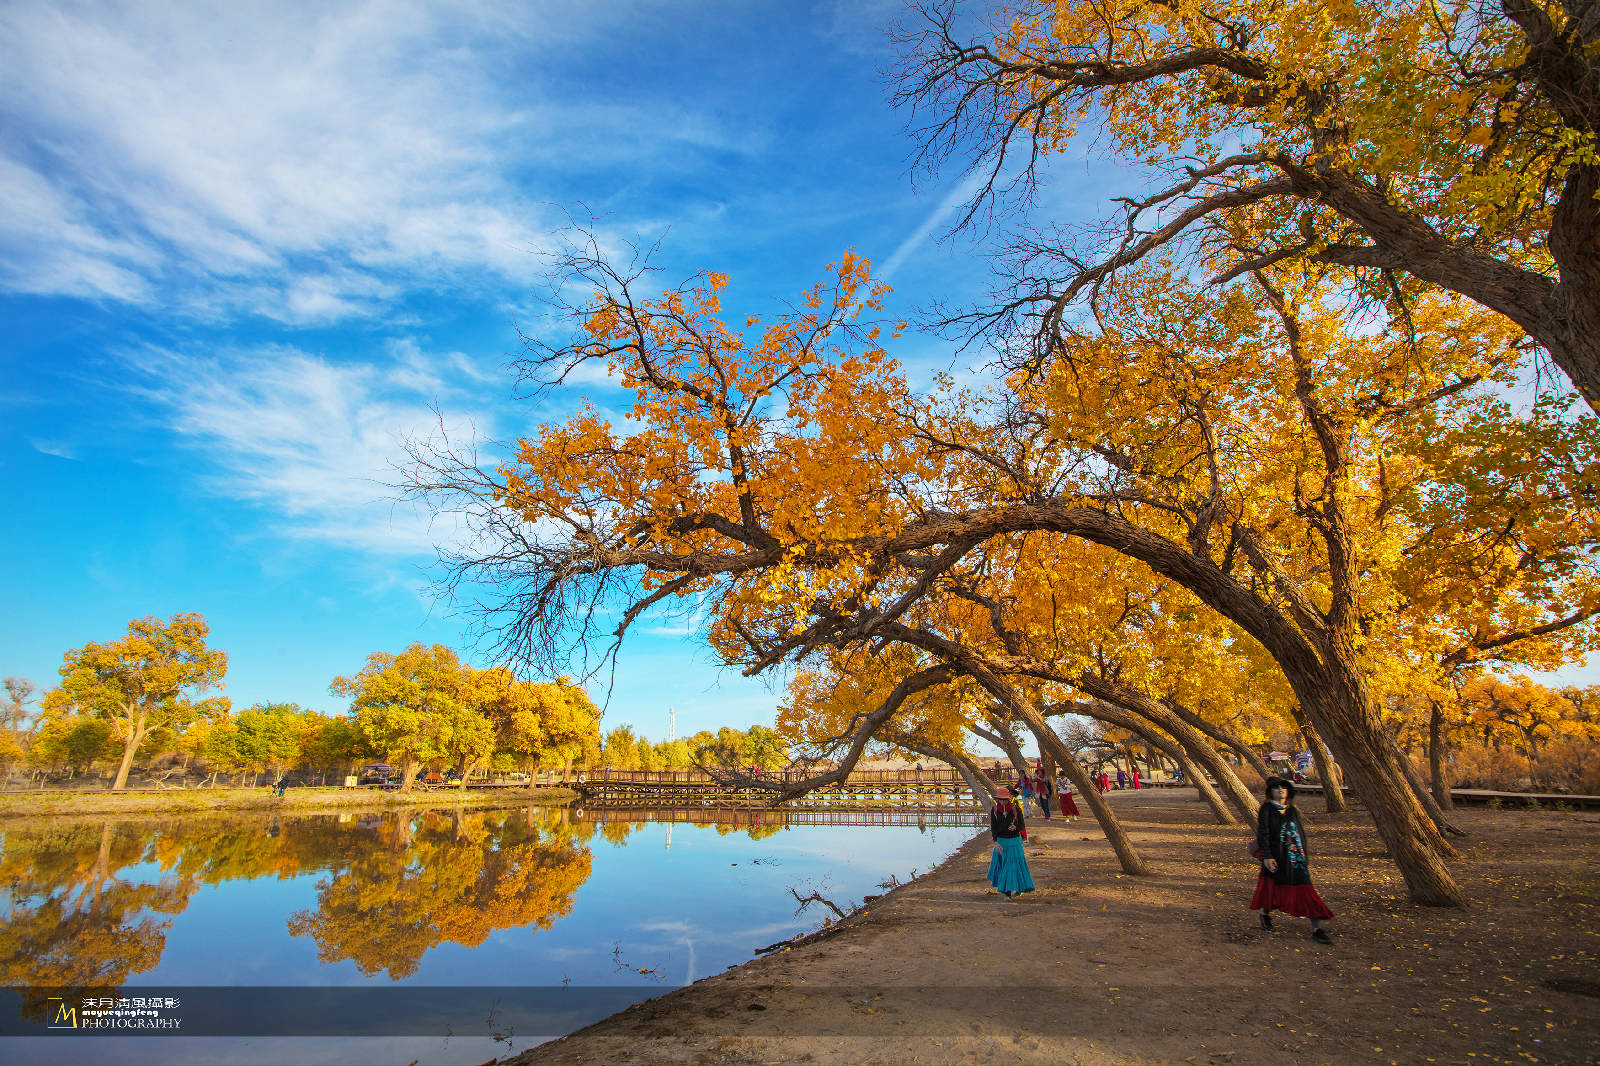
x: 963, y: 191
x: 313, y: 442
x: 301, y: 161
x: 58, y: 449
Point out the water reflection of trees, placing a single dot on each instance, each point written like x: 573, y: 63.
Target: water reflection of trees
x: 80, y: 918
x: 445, y: 878
x: 71, y: 921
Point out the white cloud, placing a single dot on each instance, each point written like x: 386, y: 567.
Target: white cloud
x: 314, y: 442
x: 58, y: 449
x: 292, y: 159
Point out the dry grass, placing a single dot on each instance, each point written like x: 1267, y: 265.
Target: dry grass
x: 46, y: 804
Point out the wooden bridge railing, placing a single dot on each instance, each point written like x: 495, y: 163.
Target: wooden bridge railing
x: 858, y: 778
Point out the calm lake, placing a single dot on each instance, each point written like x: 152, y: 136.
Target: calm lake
x: 448, y: 936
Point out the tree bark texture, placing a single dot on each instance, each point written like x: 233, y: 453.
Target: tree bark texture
x: 1436, y: 757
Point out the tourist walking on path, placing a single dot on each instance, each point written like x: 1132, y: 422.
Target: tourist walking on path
x: 1285, y: 880
x: 1008, y: 867
x: 1122, y: 778
x: 1041, y: 791
x: 1069, y: 809
x: 1136, y: 784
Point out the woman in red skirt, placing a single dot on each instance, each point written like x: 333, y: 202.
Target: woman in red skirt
x: 1285, y: 881
x: 1069, y: 808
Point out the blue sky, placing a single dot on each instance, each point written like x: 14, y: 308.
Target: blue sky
x: 249, y: 248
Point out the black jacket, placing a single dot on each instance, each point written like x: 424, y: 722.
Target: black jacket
x: 1273, y: 832
x: 1006, y: 825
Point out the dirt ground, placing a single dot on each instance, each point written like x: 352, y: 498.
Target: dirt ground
x: 1099, y: 967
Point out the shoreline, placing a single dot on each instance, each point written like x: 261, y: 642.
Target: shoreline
x: 1102, y: 967
x: 46, y: 804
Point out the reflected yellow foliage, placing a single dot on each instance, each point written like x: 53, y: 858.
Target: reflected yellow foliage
x: 443, y: 879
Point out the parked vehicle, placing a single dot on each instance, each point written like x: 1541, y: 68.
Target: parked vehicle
x: 431, y: 777
x: 375, y: 773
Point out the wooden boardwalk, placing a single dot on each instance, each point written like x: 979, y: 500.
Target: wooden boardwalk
x: 930, y: 789
x: 745, y: 818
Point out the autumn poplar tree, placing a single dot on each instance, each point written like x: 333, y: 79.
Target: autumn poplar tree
x: 145, y: 681
x: 415, y: 706
x: 1452, y: 142
x: 1244, y: 445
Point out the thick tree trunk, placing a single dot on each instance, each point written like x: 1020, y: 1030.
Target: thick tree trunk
x: 1340, y: 708
x: 1575, y: 246
x: 130, y: 746
x: 1436, y: 754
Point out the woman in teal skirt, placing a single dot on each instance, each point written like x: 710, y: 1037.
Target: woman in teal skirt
x: 1008, y: 868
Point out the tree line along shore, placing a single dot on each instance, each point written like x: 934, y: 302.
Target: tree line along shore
x: 141, y: 707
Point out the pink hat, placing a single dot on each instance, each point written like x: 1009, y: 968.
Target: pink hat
x: 1002, y: 793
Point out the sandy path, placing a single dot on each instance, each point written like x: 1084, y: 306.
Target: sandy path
x: 1098, y: 967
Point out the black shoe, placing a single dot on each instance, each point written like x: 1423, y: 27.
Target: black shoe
x: 1321, y: 936
x: 1266, y: 923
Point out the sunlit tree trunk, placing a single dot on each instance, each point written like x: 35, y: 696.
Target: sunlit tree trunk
x: 134, y: 730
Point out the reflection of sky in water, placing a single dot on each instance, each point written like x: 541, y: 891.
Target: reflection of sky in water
x: 682, y: 912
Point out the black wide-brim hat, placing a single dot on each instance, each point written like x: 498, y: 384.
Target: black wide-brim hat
x: 1280, y: 782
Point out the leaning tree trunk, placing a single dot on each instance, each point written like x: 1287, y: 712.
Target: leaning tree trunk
x: 1327, y: 770
x: 1224, y: 735
x: 969, y: 771
x: 1229, y: 784
x: 1193, y: 772
x: 1003, y: 739
x: 130, y: 745
x: 1335, y: 697
x: 1116, y: 836
x: 1420, y: 787
x: 1436, y: 756
x: 1126, y: 720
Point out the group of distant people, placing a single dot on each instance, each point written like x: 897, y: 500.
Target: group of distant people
x: 1038, y: 787
x: 1125, y: 779
x: 1283, y: 878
